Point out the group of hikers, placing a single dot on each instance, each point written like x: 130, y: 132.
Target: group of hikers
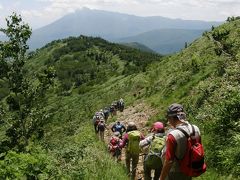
x: 100, y: 117
x: 174, y: 152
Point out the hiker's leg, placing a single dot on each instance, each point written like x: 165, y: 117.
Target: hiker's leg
x: 178, y: 176
x: 135, y: 159
x: 147, y: 172
x: 157, y: 173
x: 128, y: 159
x: 118, y: 153
x: 102, y: 135
x: 99, y: 135
x: 157, y: 166
x: 95, y: 128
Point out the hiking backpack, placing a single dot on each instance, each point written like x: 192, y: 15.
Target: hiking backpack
x: 133, y: 142
x: 192, y: 163
x: 155, y: 151
x: 101, y: 126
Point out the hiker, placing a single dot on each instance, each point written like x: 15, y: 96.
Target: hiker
x: 114, y: 146
x: 96, y: 120
x: 153, y: 145
x: 101, y: 113
x: 106, y: 113
x: 176, y: 144
x: 120, y: 105
x: 101, y: 128
x: 113, y: 110
x: 118, y: 127
x: 131, y: 139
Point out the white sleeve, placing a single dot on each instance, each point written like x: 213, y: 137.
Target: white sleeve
x: 145, y: 142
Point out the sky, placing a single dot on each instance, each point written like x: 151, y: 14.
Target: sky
x: 38, y: 13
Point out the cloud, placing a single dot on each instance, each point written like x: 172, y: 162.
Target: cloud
x: 1, y: 7
x: 57, y: 8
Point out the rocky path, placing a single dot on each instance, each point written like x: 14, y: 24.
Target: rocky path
x: 139, y: 114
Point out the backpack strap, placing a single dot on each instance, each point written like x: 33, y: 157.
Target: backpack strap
x: 193, y: 133
x: 185, y: 133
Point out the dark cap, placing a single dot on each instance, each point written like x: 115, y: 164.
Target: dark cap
x: 175, y: 110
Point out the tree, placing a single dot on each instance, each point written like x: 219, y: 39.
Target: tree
x: 25, y: 115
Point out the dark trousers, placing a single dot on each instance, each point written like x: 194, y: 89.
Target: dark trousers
x: 155, y: 165
x: 178, y: 176
x: 134, y: 159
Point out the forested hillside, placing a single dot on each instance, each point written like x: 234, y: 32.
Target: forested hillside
x: 68, y: 80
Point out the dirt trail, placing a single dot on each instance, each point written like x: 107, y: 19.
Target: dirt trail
x: 139, y: 114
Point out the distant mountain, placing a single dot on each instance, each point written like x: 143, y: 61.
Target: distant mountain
x: 165, y: 41
x: 108, y: 25
x: 139, y: 46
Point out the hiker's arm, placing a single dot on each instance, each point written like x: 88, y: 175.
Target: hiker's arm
x: 145, y: 142
x: 124, y: 140
x: 166, y: 168
x: 124, y: 129
x: 142, y: 137
x: 113, y: 128
x: 169, y: 156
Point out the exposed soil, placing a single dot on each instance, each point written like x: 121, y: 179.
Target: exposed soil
x: 139, y: 114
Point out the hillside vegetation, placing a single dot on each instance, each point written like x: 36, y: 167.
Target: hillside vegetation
x: 205, y: 78
x: 91, y: 73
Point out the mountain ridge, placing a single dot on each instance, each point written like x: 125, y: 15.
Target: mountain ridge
x: 108, y: 25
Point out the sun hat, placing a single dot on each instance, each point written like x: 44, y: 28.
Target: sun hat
x: 176, y: 110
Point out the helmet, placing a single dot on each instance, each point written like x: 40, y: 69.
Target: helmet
x: 157, y: 126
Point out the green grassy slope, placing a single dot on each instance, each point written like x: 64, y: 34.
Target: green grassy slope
x: 91, y: 73
x: 205, y: 78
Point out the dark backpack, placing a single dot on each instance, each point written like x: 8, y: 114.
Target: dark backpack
x: 153, y: 158
x: 101, y: 126
x: 97, y: 121
x: 192, y: 163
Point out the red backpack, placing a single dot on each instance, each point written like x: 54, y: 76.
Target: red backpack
x: 192, y: 163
